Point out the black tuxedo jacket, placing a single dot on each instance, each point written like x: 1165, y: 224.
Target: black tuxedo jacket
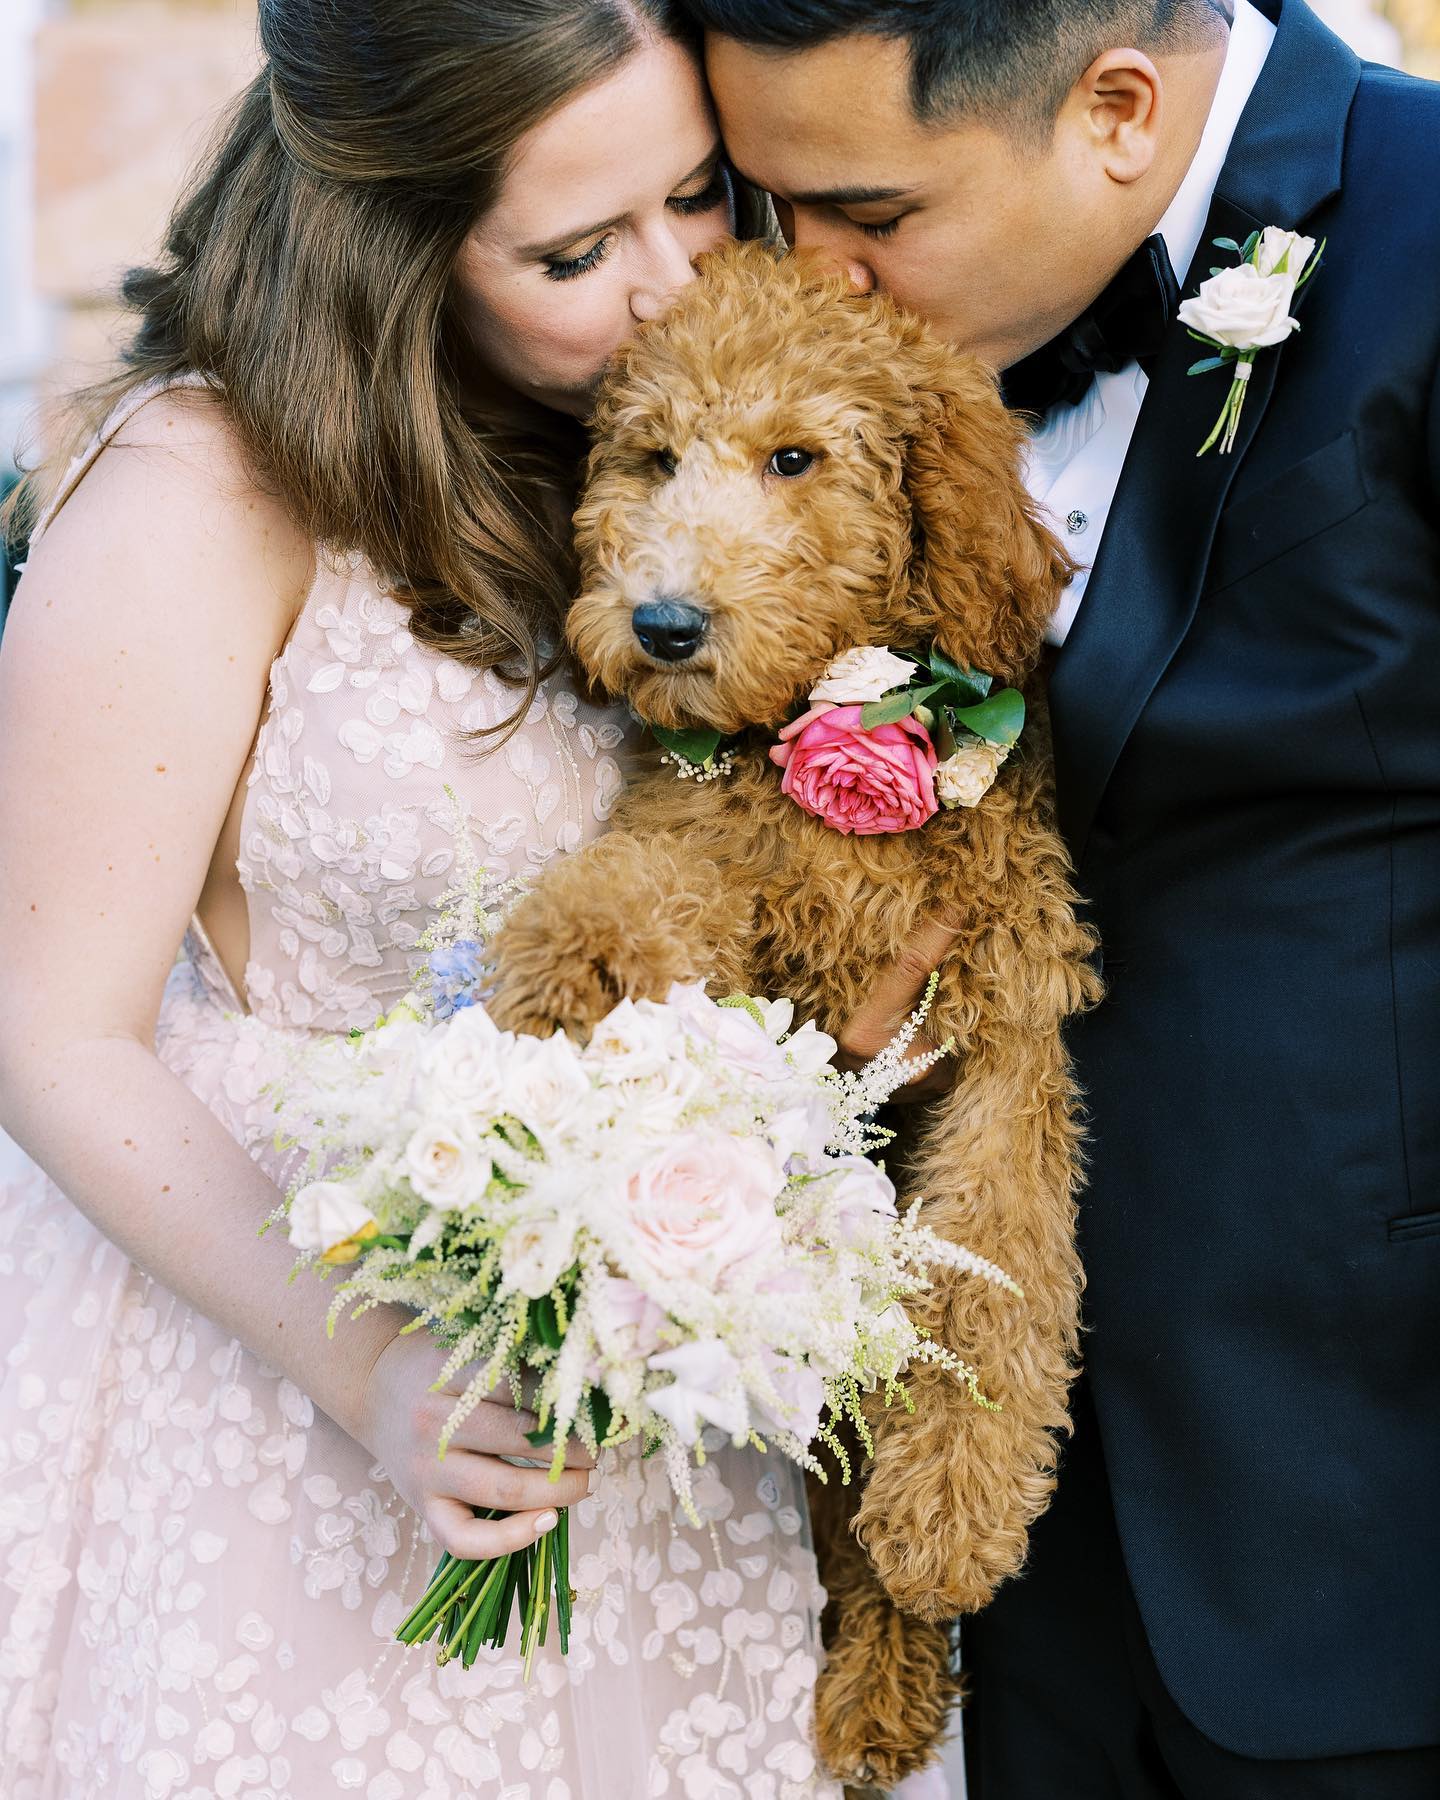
x: 1247, y: 743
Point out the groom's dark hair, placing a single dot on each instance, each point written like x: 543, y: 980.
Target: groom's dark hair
x: 998, y: 59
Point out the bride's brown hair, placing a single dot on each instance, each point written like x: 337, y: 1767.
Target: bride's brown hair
x: 308, y: 275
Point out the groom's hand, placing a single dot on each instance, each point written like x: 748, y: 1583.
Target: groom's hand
x: 895, y: 995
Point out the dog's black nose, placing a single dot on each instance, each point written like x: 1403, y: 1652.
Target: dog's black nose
x: 669, y: 630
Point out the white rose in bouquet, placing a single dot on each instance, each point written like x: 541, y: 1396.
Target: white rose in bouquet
x: 464, y: 1063
x: 866, y: 673
x: 633, y: 1043
x: 1242, y: 308
x: 536, y: 1251
x: 702, y: 1205
x: 330, y: 1219
x: 547, y: 1087
x: 448, y: 1166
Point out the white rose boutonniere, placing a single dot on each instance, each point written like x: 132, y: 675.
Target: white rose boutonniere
x: 1244, y: 309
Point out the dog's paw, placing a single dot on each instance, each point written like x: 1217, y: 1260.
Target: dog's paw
x: 883, y: 1700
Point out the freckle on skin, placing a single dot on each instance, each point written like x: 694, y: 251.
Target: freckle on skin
x: 159, y: 768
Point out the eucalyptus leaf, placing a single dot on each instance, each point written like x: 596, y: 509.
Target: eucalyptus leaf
x: 696, y: 746
x: 1226, y: 244
x: 1205, y: 365
x: 999, y: 720
x: 1247, y: 249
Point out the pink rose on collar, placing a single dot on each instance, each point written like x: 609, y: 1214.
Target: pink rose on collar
x: 866, y: 782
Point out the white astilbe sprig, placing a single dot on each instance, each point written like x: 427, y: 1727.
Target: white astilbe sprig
x: 859, y: 1093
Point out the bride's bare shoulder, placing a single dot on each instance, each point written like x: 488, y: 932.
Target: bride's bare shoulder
x: 174, y: 490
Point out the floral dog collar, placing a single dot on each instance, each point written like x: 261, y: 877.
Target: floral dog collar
x: 887, y: 741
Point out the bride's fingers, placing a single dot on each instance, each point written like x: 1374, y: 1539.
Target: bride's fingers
x: 486, y: 1481
x: 456, y: 1529
x: 496, y: 1429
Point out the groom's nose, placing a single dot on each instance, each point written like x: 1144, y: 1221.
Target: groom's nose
x: 805, y: 231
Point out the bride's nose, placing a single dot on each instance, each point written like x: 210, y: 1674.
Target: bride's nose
x: 667, y: 269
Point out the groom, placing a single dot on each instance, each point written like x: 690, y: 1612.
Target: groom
x: 1237, y: 1590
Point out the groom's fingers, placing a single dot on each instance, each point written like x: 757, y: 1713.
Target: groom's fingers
x: 895, y: 994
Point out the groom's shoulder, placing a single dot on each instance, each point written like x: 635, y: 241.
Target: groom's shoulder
x: 1393, y: 138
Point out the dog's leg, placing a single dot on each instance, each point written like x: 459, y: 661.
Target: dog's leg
x: 623, y: 917
x: 886, y: 1692
x: 954, y: 1487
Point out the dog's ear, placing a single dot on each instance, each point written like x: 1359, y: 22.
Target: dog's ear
x: 987, y: 572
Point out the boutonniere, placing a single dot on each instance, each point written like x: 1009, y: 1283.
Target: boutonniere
x: 1245, y: 309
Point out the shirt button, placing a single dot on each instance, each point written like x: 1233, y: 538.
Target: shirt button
x: 1076, y: 521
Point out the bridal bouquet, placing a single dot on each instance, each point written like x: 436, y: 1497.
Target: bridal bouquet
x: 672, y: 1227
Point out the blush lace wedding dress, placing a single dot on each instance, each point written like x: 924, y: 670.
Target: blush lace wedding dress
x: 200, y: 1574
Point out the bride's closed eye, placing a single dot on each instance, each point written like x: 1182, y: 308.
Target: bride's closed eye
x: 718, y: 191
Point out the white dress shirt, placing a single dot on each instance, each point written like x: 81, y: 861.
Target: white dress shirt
x: 1074, y: 458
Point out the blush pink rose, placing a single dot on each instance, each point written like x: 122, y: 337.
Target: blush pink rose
x: 704, y: 1205
x: 865, y: 782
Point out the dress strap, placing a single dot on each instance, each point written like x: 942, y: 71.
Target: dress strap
x: 121, y: 416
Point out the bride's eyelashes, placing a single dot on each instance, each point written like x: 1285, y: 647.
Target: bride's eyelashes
x: 716, y: 193
x: 566, y: 268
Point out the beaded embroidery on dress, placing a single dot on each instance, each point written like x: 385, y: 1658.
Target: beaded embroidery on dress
x: 200, y: 1574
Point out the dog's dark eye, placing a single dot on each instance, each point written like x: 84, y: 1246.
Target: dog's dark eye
x: 789, y: 463
x: 667, y: 461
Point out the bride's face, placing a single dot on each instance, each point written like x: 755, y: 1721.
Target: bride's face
x: 602, y: 211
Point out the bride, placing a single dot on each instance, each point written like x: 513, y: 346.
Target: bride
x: 304, y: 575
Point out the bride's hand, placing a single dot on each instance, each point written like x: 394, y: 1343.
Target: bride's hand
x: 400, y: 1424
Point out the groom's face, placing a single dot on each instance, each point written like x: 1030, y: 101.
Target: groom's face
x: 997, y: 240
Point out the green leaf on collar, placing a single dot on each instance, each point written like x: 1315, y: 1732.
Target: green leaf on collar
x: 892, y: 708
x: 697, y: 746
x: 970, y: 681
x: 1206, y: 364
x: 999, y: 720
x: 1226, y: 244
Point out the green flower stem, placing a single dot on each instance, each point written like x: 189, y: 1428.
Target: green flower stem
x: 469, y: 1605
x: 496, y: 1572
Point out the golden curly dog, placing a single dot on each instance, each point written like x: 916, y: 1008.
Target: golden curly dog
x: 903, y: 522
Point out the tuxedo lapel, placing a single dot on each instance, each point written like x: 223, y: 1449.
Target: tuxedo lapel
x: 1284, y: 162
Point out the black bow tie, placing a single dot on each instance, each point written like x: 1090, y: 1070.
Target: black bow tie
x: 1126, y: 324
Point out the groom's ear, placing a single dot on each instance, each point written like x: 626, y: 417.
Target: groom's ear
x: 987, y: 573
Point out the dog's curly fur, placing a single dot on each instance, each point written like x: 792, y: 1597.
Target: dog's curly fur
x: 911, y: 526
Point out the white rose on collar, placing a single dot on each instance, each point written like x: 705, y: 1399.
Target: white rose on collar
x: 965, y: 778
x: 862, y: 674
x: 1277, y: 246
x: 1242, y: 308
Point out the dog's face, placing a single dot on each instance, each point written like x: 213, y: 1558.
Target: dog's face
x: 783, y: 470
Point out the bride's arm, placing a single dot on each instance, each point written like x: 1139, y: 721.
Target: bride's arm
x: 134, y: 668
